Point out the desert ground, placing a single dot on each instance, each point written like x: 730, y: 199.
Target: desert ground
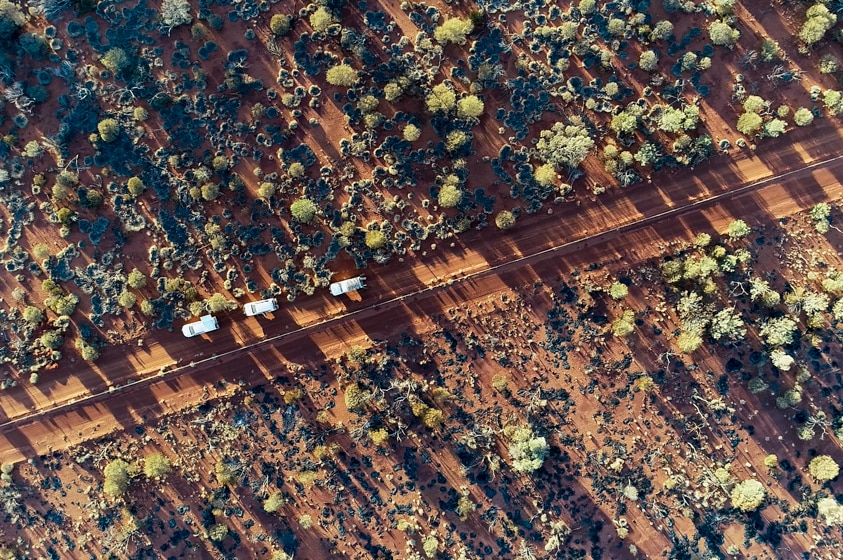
x: 614, y: 339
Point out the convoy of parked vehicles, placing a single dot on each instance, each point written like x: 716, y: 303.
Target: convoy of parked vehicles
x: 209, y: 323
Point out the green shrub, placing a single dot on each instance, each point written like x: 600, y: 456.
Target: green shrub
x: 116, y: 478
x: 342, y: 75
x: 210, y: 191
x: 748, y: 495
x: 127, y: 300
x: 441, y: 99
x: 819, y: 21
x: 32, y: 315
x: 545, y: 174
x: 109, y: 130
x: 88, y: 352
x: 63, y: 304
x: 749, y: 123
x: 115, y: 60
x: 449, y: 196
x: 280, y: 24
x: 136, y: 279
x: 135, y: 186
x: 527, y: 450
x: 505, y: 220
x: 453, y: 31
x: 722, y: 34
x: 648, y: 61
x: 375, y: 239
x: 52, y: 340
x: 321, y: 19
x: 156, y: 466
x: 803, y: 117
x: 303, y: 210
x: 411, y: 133
x: 296, y: 170
x: 470, y: 107
x: 274, y: 502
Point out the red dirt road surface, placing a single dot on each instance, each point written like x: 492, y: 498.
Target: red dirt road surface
x: 124, y: 388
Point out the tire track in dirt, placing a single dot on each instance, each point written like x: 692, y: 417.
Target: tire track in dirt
x: 125, y: 391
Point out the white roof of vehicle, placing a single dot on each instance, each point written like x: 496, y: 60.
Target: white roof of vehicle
x: 206, y: 323
x: 262, y: 306
x: 348, y: 285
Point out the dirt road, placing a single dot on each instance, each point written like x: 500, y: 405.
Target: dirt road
x: 779, y: 179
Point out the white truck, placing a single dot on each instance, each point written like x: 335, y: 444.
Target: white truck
x: 350, y: 285
x: 205, y: 324
x: 261, y: 307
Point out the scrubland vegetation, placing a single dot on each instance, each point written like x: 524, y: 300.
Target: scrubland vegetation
x: 159, y: 159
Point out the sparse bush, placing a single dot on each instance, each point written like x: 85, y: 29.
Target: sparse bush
x: 453, y: 31
x: 224, y: 474
x: 135, y: 186
x: 116, y: 60
x: 624, y: 325
x: 411, y: 133
x: 33, y: 315
x: 803, y: 117
x: 303, y: 210
x: 748, y: 495
x: 441, y: 99
x: 210, y: 191
x: 469, y: 107
x: 266, y: 190
x: 828, y: 64
x: 823, y: 468
x: 778, y: 331
x: 116, y: 478
x: 296, y: 170
x: 280, y: 24
x: 218, y: 303
x: 342, y: 75
x: 136, y: 279
x: 722, y: 34
x: 321, y: 19
x: 821, y: 215
x: 375, y: 239
x: 175, y: 13
x: 109, y: 130
x: 505, y: 220
x: 156, y: 466
x: 218, y: 532
x: 527, y: 450
x: 11, y: 19
x: 274, y: 502
x: 449, y: 196
x: 830, y: 511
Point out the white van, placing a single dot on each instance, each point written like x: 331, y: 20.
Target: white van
x: 350, y: 285
x: 205, y: 324
x: 260, y: 307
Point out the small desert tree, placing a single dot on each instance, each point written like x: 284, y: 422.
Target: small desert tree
x: 823, y: 468
x: 648, y: 61
x: 505, y: 220
x: 527, y: 450
x: 819, y: 21
x: 722, y: 34
x: 136, y: 279
x: 803, y: 117
x: 441, y: 99
x: 116, y: 478
x: 156, y: 466
x: 321, y: 19
x: 274, y: 502
x: 564, y: 144
x: 748, y: 495
x: 109, y: 130
x: 33, y: 315
x: 115, y: 60
x: 135, y: 186
x: 218, y: 303
x: 175, y: 13
x: 280, y: 24
x: 303, y: 210
x: 375, y: 239
x: 737, y: 229
x: 342, y: 75
x: 453, y: 31
x: 470, y: 107
x: 449, y: 196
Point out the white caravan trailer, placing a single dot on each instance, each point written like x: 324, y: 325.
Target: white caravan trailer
x: 260, y: 307
x: 350, y: 285
x: 205, y: 324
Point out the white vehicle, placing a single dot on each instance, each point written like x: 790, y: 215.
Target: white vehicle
x: 205, y: 324
x: 260, y: 307
x: 350, y: 285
